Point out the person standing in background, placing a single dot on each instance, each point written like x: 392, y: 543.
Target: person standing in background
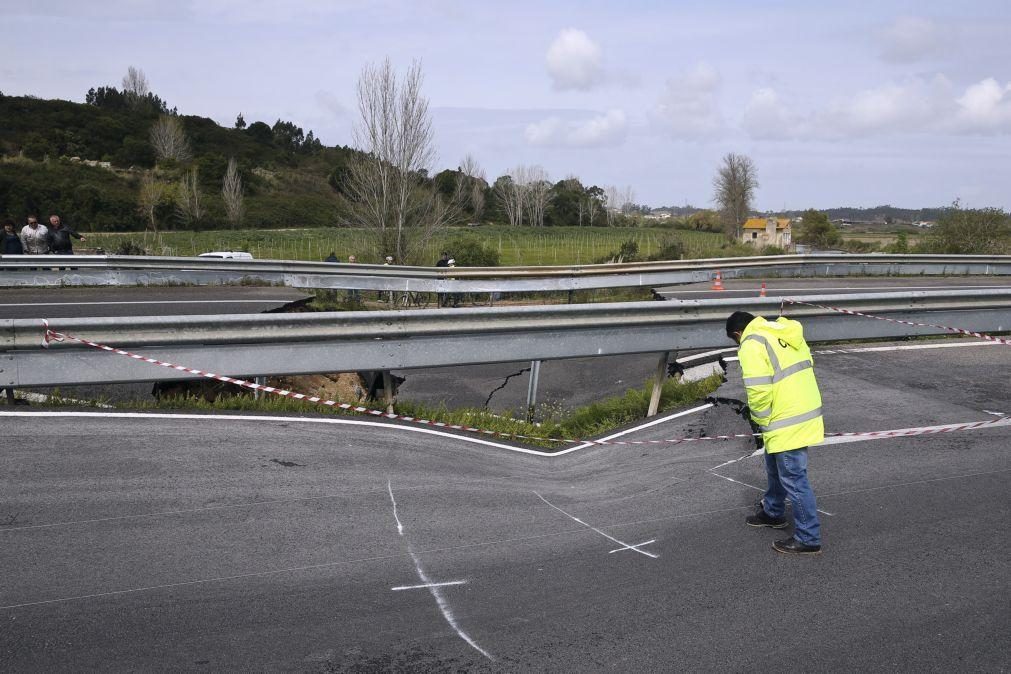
x: 60, y: 242
x: 34, y: 237
x: 11, y: 241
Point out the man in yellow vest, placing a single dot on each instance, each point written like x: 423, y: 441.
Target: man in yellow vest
x: 785, y: 405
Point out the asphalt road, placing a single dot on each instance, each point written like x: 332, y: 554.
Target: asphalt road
x: 826, y: 286
x: 84, y: 302
x: 157, y: 544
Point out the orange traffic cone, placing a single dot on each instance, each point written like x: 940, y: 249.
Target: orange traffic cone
x: 718, y: 283
x: 762, y: 293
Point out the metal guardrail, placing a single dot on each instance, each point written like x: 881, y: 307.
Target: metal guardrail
x: 275, y: 344
x: 100, y: 270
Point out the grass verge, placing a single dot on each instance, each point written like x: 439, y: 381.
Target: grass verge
x: 582, y: 422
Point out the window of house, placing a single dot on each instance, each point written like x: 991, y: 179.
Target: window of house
x: 754, y: 235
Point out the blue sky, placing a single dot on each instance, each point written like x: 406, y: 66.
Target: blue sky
x: 856, y: 103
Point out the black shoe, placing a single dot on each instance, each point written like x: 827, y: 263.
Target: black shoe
x: 791, y: 546
x: 764, y: 519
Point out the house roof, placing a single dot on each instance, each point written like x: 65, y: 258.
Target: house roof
x: 759, y: 223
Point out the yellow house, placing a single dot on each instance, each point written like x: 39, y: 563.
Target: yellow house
x: 761, y: 232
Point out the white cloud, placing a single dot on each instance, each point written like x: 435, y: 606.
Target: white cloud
x: 767, y: 118
x: 910, y: 39
x: 610, y: 128
x: 984, y: 107
x: 913, y: 106
x: 574, y: 61
x: 688, y: 107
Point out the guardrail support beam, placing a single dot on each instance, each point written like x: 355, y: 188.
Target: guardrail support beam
x: 535, y: 375
x: 658, y: 380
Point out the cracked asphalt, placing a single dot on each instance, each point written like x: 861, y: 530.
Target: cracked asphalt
x: 235, y: 544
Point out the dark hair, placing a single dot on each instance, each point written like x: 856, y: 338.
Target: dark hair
x: 8, y: 221
x: 737, y: 322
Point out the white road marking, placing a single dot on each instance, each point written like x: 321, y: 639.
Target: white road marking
x: 632, y: 547
x: 607, y: 536
x: 654, y: 422
x: 427, y: 585
x: 996, y: 414
x: 400, y: 527
x: 757, y: 452
x: 751, y: 486
x: 340, y: 422
x: 435, y: 588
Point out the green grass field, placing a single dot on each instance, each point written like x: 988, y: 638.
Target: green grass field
x: 520, y: 246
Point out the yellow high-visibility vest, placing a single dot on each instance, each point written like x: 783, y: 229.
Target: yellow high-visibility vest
x: 782, y: 391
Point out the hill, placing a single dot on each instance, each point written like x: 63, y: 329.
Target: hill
x: 87, y: 162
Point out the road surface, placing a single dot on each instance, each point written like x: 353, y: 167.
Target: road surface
x: 263, y: 544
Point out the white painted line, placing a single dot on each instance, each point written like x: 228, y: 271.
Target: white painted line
x: 400, y: 527
x: 75, y: 304
x: 340, y: 422
x: 751, y: 486
x: 757, y: 452
x: 633, y: 547
x: 433, y: 587
x: 607, y: 536
x: 427, y: 585
x: 661, y: 420
x: 996, y: 414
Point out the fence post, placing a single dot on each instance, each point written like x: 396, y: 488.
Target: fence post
x: 658, y: 380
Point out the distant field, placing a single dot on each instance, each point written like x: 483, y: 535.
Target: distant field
x: 516, y: 245
x: 881, y: 238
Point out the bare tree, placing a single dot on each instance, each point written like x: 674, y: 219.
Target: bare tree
x: 735, y: 184
x: 627, y: 199
x: 511, y: 190
x: 611, y: 203
x: 537, y: 194
x: 476, y: 183
x: 387, y: 186
x: 189, y: 200
x: 169, y: 140
x: 231, y: 193
x: 148, y: 198
x: 135, y: 86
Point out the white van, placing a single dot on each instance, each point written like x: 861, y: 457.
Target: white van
x: 228, y: 255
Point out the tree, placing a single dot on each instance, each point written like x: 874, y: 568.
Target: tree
x: 231, y: 193
x: 169, y: 140
x: 135, y: 87
x: 240, y: 122
x: 594, y: 202
x: 476, y: 185
x: 538, y: 195
x: 149, y: 198
x: 971, y: 231
x: 189, y: 201
x: 735, y: 184
x: 511, y: 191
x: 816, y: 230
x: 388, y: 186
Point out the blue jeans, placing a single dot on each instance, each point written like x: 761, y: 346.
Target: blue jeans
x: 787, y: 473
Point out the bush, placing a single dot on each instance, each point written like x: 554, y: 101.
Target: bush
x: 129, y: 247
x: 772, y: 250
x: 468, y: 251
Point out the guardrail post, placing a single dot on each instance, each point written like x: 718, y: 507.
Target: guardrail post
x: 535, y: 375
x: 388, y: 391
x: 658, y: 380
x: 262, y: 381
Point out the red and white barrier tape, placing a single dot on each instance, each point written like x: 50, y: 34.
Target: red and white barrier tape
x: 54, y: 336
x: 961, y: 331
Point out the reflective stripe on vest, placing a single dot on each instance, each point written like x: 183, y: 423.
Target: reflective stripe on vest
x: 791, y: 421
x: 761, y: 414
x: 773, y: 358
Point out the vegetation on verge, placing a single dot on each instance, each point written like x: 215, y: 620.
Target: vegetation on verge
x: 583, y: 422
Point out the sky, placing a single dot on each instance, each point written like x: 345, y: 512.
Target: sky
x: 838, y: 103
